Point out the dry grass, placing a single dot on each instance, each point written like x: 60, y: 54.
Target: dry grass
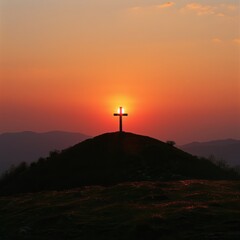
x: 192, y: 209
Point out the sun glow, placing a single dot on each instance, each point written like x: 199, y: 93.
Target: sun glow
x: 117, y: 101
x: 121, y: 110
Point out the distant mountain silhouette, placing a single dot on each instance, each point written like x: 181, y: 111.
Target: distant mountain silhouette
x: 109, y: 159
x: 228, y: 150
x: 29, y: 146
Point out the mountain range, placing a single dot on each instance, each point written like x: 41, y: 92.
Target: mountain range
x: 227, y: 150
x: 30, y: 146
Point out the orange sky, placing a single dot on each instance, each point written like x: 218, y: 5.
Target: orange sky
x: 173, y: 65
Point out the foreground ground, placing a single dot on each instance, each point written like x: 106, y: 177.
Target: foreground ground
x: 192, y: 209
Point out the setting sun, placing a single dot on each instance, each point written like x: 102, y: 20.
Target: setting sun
x: 121, y: 110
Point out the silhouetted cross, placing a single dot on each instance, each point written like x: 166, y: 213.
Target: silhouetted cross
x: 120, y: 114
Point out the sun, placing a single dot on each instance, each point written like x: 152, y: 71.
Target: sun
x: 121, y: 110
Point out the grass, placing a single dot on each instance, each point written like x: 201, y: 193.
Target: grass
x: 191, y: 209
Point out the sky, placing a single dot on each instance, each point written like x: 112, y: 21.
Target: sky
x: 173, y: 65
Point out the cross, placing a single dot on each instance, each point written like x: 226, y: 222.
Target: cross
x: 120, y: 114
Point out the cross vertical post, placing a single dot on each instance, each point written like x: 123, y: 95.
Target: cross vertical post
x: 120, y: 114
x: 120, y: 123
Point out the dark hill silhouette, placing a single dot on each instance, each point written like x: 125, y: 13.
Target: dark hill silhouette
x: 29, y: 146
x: 109, y: 159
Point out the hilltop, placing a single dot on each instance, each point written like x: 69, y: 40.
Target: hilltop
x: 109, y: 159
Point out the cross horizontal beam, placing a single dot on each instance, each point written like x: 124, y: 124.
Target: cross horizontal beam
x: 120, y: 114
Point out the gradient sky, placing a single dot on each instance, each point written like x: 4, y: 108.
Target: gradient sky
x: 174, y: 66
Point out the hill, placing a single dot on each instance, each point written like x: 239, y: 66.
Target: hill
x: 109, y: 159
x: 183, y: 210
x: 30, y: 146
x: 227, y: 150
